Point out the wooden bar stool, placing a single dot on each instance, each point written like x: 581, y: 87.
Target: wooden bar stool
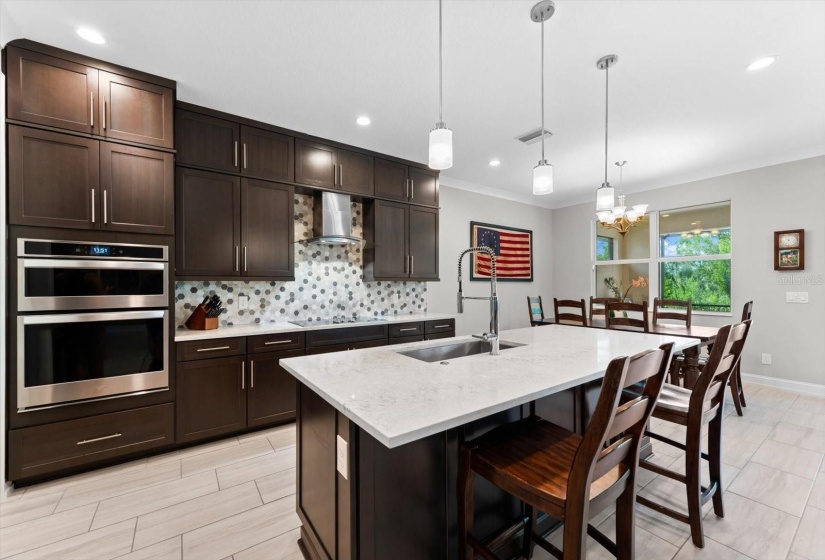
x: 602, y: 310
x: 616, y: 318
x: 567, y: 476
x: 567, y: 318
x: 673, y: 310
x: 736, y: 377
x: 693, y: 409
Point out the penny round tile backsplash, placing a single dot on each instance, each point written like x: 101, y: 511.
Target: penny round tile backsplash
x: 328, y: 282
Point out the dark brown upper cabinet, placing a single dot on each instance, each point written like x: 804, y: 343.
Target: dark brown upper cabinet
x: 423, y: 243
x: 137, y: 188
x: 51, y: 91
x: 272, y: 390
x: 355, y: 172
x: 316, y: 165
x: 54, y: 179
x: 208, y: 224
x: 136, y: 111
x: 267, y: 230
x: 423, y: 186
x: 267, y: 155
x: 206, y: 141
x: 391, y: 180
x: 402, y: 241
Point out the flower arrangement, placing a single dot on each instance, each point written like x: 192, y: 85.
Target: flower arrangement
x: 616, y: 287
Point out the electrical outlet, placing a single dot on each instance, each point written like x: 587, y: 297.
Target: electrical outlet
x: 341, y: 457
x: 243, y: 302
x: 766, y: 359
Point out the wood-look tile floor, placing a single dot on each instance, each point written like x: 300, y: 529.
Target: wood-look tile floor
x: 235, y: 498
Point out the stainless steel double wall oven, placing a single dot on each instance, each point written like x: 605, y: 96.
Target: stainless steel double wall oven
x: 92, y: 321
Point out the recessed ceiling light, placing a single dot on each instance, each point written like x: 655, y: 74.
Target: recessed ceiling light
x: 91, y: 35
x: 494, y: 163
x: 363, y: 120
x: 666, y: 215
x: 761, y: 63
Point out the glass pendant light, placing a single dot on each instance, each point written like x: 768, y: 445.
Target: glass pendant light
x: 543, y: 172
x: 441, y: 137
x: 605, y: 200
x: 619, y: 210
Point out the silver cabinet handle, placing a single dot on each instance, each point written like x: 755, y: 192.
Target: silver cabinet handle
x: 244, y: 155
x: 93, y: 440
x: 92, y: 107
x: 104, y: 112
x: 244, y: 259
x: 409, y: 329
x: 105, y: 210
x: 407, y: 265
x: 341, y: 175
x: 251, y: 374
x: 412, y: 189
x: 93, y: 206
x: 412, y: 265
x: 236, y: 154
x: 243, y: 375
x: 406, y: 188
x: 216, y: 348
x: 335, y: 172
x: 277, y: 342
x: 237, y: 257
x: 441, y: 326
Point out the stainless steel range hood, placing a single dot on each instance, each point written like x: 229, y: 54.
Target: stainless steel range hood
x: 332, y: 220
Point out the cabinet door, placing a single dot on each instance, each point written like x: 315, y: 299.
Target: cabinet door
x: 136, y: 111
x: 51, y: 91
x: 391, y: 180
x: 391, y: 240
x: 315, y: 165
x: 53, y: 179
x: 423, y: 186
x: 272, y: 389
x: 268, y: 229
x: 423, y: 243
x: 355, y: 173
x: 208, y: 224
x: 267, y: 154
x: 207, y: 141
x: 138, y: 189
x: 211, y: 398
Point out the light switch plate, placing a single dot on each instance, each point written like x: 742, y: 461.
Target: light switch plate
x: 243, y: 302
x: 341, y: 457
x: 766, y: 359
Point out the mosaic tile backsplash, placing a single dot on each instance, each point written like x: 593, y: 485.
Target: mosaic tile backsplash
x: 328, y: 282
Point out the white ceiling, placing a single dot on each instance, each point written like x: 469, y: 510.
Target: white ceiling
x: 682, y: 104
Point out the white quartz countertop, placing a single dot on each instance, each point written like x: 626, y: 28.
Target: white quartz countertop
x: 398, y: 399
x: 182, y: 335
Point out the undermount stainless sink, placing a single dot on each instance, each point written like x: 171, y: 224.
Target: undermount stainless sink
x: 456, y: 350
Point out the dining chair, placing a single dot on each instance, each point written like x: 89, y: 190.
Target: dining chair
x: 567, y: 318
x: 536, y: 310
x: 672, y: 310
x: 736, y: 390
x: 601, y: 310
x: 693, y: 409
x: 569, y: 477
x: 617, y: 318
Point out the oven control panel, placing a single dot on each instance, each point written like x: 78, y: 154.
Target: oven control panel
x: 71, y: 249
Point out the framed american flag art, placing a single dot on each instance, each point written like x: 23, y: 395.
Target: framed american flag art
x: 513, y: 248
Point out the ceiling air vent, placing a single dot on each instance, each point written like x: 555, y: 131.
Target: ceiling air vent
x: 533, y: 136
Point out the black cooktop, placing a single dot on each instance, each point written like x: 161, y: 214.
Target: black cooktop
x: 342, y: 320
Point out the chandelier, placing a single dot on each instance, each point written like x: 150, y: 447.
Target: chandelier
x: 620, y: 218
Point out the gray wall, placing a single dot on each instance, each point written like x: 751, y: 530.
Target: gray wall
x: 458, y: 209
x: 787, y: 196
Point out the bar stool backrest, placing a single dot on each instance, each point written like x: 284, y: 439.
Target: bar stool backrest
x: 672, y: 309
x: 616, y: 316
x: 578, y: 318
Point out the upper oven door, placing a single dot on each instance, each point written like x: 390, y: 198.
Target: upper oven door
x: 69, y: 284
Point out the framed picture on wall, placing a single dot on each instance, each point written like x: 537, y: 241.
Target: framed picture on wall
x: 789, y: 249
x: 513, y: 248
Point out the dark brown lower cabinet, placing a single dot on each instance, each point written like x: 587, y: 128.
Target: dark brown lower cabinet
x: 271, y: 395
x: 211, y: 398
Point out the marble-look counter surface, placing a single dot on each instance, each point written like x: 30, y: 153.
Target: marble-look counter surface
x: 184, y: 334
x: 398, y: 399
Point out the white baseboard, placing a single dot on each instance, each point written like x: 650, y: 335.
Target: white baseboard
x: 799, y: 386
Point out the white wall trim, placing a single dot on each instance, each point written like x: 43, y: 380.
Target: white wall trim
x: 448, y: 181
x: 813, y: 389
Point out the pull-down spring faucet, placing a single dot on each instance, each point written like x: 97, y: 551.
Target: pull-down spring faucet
x: 492, y: 335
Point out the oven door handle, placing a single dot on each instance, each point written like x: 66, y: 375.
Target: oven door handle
x: 82, y: 263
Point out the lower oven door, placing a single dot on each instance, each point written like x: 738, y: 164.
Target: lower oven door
x: 77, y: 356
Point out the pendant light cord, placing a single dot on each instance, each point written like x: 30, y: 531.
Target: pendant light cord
x: 542, y: 92
x: 440, y: 71
x: 606, y: 98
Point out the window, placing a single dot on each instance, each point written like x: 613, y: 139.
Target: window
x: 684, y: 253
x: 604, y: 248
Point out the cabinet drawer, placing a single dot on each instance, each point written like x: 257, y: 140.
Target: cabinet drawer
x: 52, y: 448
x: 346, y: 335
x: 446, y: 325
x: 406, y: 329
x: 276, y: 342
x: 438, y: 336
x: 406, y: 339
x: 214, y: 348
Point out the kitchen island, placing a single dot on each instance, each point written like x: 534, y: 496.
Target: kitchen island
x: 379, y: 431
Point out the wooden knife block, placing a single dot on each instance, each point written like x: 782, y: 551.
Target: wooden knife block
x: 198, y: 321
